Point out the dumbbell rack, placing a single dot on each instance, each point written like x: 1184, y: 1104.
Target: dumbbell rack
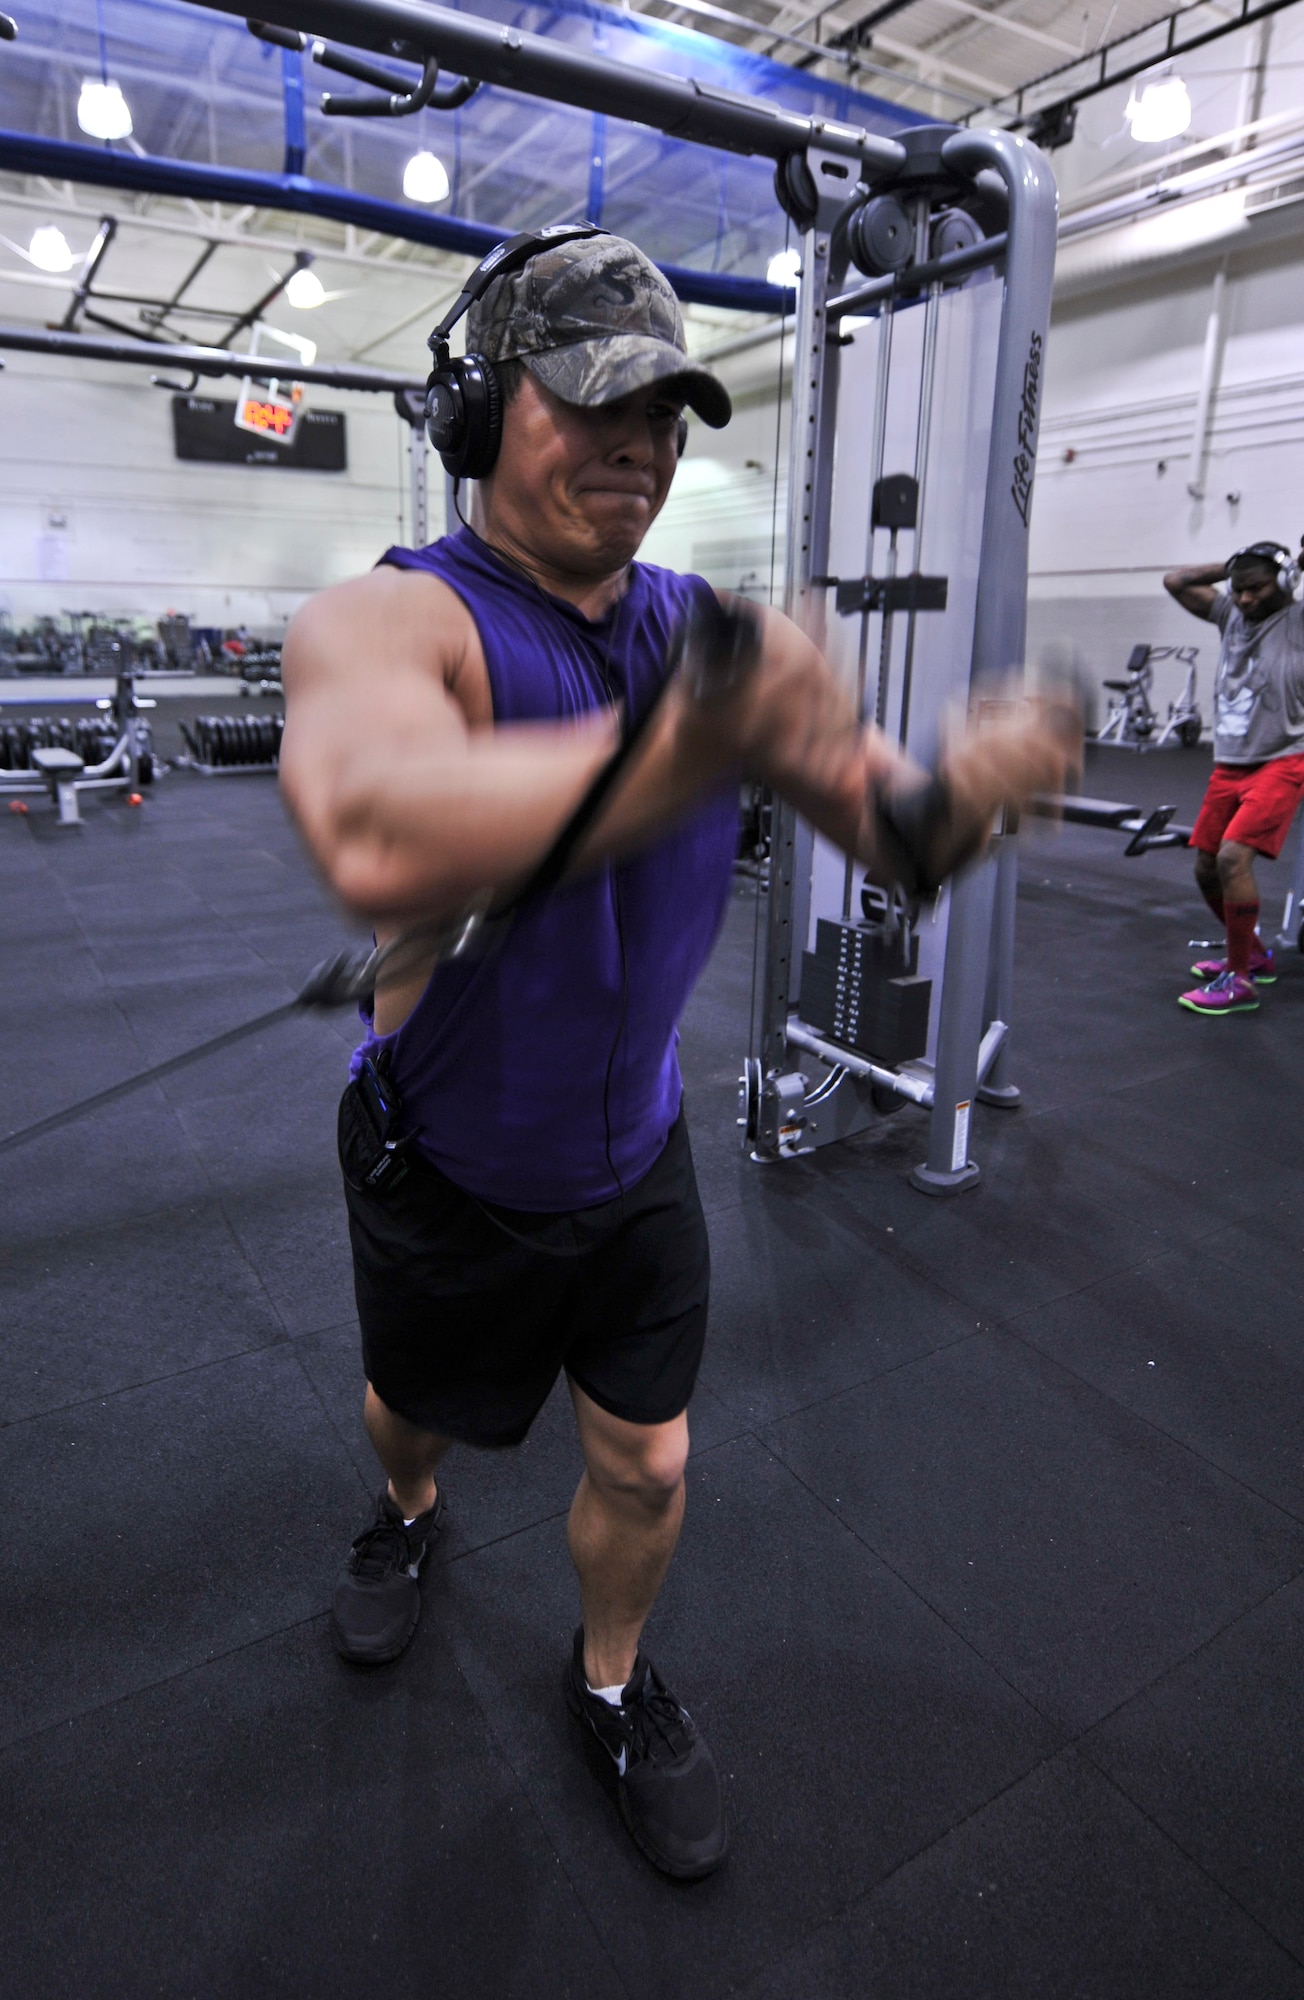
x: 49, y: 753
x: 92, y: 738
x: 232, y: 746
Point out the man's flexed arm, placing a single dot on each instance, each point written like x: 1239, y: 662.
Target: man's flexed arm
x: 1195, y: 588
x: 409, y: 800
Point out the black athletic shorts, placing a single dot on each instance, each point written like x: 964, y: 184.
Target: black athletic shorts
x: 470, y: 1311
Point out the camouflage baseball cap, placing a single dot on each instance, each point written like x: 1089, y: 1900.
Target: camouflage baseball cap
x: 593, y: 320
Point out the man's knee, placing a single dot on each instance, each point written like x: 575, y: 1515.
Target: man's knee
x: 643, y: 1463
x: 1233, y: 860
x: 1206, y: 869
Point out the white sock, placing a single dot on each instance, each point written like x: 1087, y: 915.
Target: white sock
x: 611, y: 1694
x: 415, y: 1517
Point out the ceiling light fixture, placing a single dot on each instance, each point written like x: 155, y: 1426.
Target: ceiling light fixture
x: 425, y: 178
x: 784, y: 269
x: 48, y: 249
x: 1163, y: 111
x: 296, y: 342
x: 305, y: 290
x: 102, y: 110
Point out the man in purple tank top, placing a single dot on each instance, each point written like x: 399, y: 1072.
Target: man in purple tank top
x: 517, y: 1168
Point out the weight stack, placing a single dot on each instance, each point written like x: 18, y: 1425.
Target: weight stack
x: 859, y: 988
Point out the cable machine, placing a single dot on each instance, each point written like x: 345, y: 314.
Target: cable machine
x: 948, y: 378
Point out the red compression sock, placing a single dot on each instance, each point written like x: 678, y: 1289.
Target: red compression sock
x: 1240, y: 920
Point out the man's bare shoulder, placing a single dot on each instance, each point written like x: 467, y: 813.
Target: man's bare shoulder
x: 391, y: 622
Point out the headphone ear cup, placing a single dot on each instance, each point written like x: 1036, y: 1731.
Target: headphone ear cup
x: 464, y: 415
x: 1288, y: 577
x: 484, y: 417
x: 446, y: 413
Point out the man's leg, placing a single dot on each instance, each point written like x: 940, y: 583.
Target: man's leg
x: 1240, y: 894
x: 378, y: 1601
x: 624, y: 1524
x: 1209, y: 882
x: 408, y: 1455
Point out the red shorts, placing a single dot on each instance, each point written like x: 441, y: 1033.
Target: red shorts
x: 1251, y: 803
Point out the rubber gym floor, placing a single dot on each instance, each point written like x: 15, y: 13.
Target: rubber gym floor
x: 991, y: 1594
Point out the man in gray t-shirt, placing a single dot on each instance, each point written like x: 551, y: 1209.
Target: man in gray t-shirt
x: 1258, y: 747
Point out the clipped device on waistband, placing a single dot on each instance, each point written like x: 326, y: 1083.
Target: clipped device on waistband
x: 371, y: 1147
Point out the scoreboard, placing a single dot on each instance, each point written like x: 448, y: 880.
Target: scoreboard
x: 204, y: 430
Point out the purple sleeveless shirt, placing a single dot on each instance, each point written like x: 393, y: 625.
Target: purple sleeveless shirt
x: 502, y: 1065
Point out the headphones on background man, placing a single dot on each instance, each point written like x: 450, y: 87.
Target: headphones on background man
x: 1278, y: 556
x: 464, y: 400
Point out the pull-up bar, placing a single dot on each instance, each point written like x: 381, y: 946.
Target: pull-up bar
x: 214, y: 361
x: 681, y: 107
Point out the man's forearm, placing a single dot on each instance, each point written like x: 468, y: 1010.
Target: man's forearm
x: 1195, y: 577
x: 1196, y: 587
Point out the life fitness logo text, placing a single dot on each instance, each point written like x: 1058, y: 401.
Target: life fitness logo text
x: 1025, y: 458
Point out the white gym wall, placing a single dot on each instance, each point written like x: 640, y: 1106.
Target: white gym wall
x: 96, y: 512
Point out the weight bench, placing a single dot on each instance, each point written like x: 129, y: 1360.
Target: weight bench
x: 1147, y: 829
x: 61, y: 769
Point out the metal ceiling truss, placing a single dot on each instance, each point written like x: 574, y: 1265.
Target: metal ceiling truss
x: 1174, y: 45
x: 928, y: 63
x: 853, y: 60
x: 153, y: 312
x: 1164, y: 41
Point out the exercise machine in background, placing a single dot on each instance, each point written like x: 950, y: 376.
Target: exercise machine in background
x: 1133, y: 722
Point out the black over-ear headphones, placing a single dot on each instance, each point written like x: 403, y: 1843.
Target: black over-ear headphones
x: 1273, y: 555
x: 464, y: 403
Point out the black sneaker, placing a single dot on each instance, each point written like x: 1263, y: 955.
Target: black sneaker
x: 666, y: 1783
x: 378, y: 1603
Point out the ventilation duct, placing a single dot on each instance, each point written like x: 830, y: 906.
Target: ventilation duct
x: 1183, y: 229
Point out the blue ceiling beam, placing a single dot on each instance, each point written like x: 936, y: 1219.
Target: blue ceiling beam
x: 101, y: 166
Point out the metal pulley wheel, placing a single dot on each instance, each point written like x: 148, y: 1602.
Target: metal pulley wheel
x: 880, y: 236
x: 954, y: 229
x: 795, y: 190
x: 749, y: 1099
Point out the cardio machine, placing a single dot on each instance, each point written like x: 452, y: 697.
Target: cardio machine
x: 1133, y: 718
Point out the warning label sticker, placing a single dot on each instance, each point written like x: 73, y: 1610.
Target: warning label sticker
x: 960, y: 1137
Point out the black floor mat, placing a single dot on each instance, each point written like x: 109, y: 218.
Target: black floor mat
x: 989, y: 1597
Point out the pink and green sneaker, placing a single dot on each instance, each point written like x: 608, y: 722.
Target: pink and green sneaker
x: 1228, y: 993
x: 1263, y: 968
